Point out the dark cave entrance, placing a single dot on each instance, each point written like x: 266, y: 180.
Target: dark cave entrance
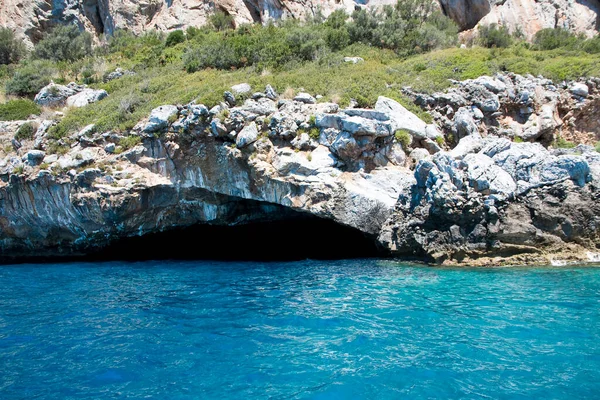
x: 284, y: 240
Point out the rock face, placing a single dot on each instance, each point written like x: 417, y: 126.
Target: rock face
x: 488, y: 200
x: 466, y: 13
x: 530, y: 16
x: 522, y: 107
x: 32, y: 19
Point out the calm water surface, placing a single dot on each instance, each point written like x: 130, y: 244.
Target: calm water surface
x: 303, y: 330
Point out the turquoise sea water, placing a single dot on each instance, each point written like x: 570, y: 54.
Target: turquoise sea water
x: 359, y: 329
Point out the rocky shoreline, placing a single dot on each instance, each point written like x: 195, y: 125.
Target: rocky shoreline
x: 481, y: 185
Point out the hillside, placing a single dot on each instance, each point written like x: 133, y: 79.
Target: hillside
x: 380, y: 122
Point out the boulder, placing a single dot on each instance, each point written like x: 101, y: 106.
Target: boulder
x: 579, y: 89
x: 54, y: 95
x: 363, y: 126
x: 34, y: 157
x: 85, y: 97
x: 118, y: 73
x: 229, y: 99
x: 159, y: 118
x: 263, y: 106
x: 247, y: 136
x: 110, y: 148
x: 270, y: 93
x: 464, y: 123
x: 401, y: 118
x: 467, y: 145
x: 305, y: 98
x: 242, y: 88
x: 346, y: 147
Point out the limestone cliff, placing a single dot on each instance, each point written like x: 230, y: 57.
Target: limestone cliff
x: 32, y: 19
x: 461, y: 190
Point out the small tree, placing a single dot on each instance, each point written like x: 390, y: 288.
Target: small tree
x: 30, y: 78
x: 550, y: 39
x: 175, y: 38
x: 494, y: 36
x: 221, y: 21
x: 11, y: 48
x: 64, y: 43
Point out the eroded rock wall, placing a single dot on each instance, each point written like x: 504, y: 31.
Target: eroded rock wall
x: 32, y: 19
x: 471, y: 188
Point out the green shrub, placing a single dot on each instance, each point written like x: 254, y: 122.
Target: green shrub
x: 174, y: 38
x: 562, y: 143
x: 221, y: 21
x: 26, y: 131
x: 16, y: 110
x: 403, y: 137
x: 494, y: 36
x: 597, y: 147
x: 592, y: 46
x: 30, y: 78
x: 64, y: 43
x: 11, y: 48
x: 314, y: 133
x: 550, y: 39
x: 129, y: 142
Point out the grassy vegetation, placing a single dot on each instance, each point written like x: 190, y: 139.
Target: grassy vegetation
x: 19, y: 109
x: 562, y: 143
x: 400, y: 48
x: 403, y: 137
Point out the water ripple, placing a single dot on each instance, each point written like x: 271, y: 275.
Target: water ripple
x: 304, y: 330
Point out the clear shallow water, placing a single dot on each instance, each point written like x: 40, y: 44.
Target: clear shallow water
x: 307, y: 330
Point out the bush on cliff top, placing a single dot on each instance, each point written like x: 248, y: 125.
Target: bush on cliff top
x: 64, y: 43
x: 16, y: 110
x: 11, y: 48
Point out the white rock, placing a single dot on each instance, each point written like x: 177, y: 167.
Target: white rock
x: 353, y: 60
x: 401, y: 118
x: 467, y: 145
x: 242, y: 88
x: 485, y: 176
x: 579, y: 89
x: 159, y: 118
x: 54, y: 95
x: 247, y: 136
x: 305, y: 98
x: 85, y: 97
x: 363, y: 126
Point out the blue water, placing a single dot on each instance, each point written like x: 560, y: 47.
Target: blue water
x: 360, y: 329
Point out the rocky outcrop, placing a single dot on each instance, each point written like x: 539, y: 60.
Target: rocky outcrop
x: 528, y: 16
x: 32, y: 19
x: 466, y: 13
x: 486, y: 200
x: 72, y: 95
x: 524, y: 108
